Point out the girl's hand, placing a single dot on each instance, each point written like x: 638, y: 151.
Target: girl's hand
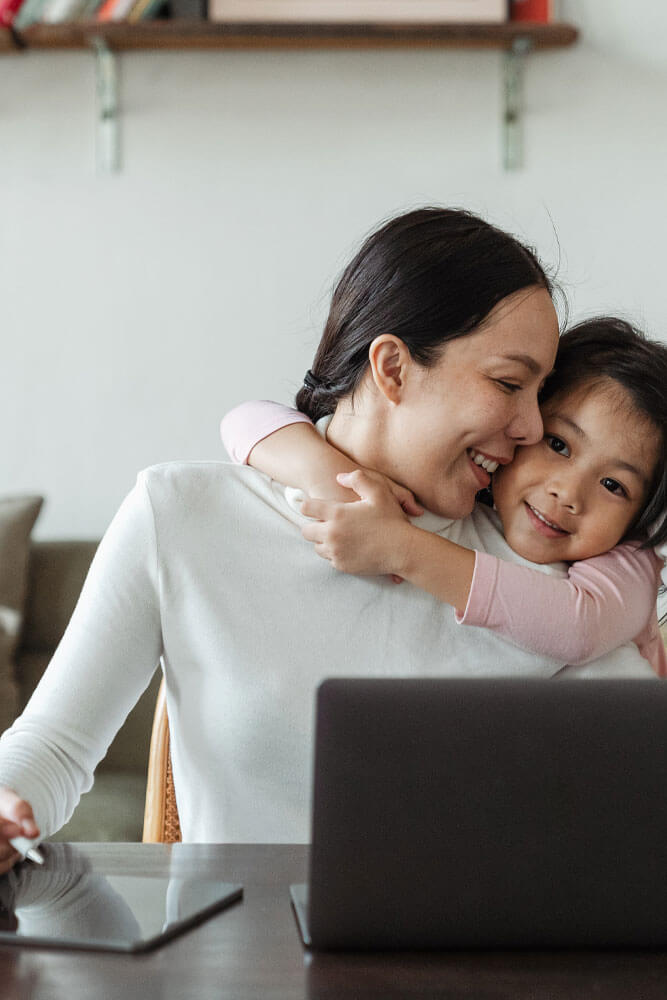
x: 368, y: 537
x: 16, y: 820
x: 404, y: 496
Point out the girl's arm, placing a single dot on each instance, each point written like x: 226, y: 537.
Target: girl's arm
x: 603, y: 603
x: 284, y: 444
x: 374, y: 537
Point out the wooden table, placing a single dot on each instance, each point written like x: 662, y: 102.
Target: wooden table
x: 253, y: 951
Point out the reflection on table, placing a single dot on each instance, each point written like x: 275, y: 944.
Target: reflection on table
x: 252, y: 950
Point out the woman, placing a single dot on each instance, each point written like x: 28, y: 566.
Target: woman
x: 202, y: 566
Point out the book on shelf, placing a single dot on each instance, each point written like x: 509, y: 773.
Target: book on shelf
x: 192, y: 10
x: 541, y: 11
x: 142, y: 10
x: 57, y: 11
x: 29, y: 13
x: 8, y: 11
x: 114, y: 10
x: 359, y: 11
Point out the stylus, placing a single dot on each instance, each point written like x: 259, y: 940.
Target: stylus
x: 27, y: 848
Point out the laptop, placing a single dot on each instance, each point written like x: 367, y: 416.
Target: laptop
x: 487, y: 814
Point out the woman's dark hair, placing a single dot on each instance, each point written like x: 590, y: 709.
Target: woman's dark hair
x: 605, y: 349
x: 427, y: 277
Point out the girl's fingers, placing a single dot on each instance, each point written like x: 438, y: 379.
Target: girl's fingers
x: 320, y: 509
x: 408, y: 502
x: 363, y: 483
x: 313, y: 532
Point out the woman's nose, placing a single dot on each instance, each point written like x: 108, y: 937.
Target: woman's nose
x: 527, y: 426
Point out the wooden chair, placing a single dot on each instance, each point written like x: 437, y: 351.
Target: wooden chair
x: 161, y: 823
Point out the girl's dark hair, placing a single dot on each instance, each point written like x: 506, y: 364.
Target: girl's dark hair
x: 427, y: 277
x: 605, y: 348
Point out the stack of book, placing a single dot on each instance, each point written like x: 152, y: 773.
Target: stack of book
x: 22, y: 13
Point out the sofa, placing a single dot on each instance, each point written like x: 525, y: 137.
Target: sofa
x: 113, y: 809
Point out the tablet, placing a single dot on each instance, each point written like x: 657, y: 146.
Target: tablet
x: 121, y: 913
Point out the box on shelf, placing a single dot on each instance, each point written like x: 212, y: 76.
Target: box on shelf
x: 541, y: 11
x: 359, y: 11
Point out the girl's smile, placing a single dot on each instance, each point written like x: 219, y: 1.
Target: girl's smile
x: 545, y: 527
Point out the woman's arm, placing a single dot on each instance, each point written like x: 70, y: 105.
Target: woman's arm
x: 603, y: 603
x: 105, y: 660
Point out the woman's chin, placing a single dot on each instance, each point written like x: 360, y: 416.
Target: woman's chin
x: 454, y: 507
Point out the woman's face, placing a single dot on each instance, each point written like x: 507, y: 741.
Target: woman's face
x: 462, y: 417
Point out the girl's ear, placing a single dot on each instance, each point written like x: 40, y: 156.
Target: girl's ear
x: 390, y: 361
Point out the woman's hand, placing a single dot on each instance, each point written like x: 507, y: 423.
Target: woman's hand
x: 16, y: 820
x: 368, y: 537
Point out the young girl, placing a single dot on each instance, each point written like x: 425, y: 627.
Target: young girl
x: 598, y: 478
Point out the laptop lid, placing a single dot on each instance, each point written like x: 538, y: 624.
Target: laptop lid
x: 489, y: 814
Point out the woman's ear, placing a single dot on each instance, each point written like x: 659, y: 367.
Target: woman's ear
x: 389, y: 360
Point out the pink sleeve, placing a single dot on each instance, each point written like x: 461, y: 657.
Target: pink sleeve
x: 601, y: 604
x: 248, y: 424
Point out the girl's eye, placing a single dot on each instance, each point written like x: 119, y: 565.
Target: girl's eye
x: 614, y: 487
x: 557, y: 444
x: 508, y: 386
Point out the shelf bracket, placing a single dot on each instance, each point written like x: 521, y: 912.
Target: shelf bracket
x: 513, y: 69
x: 108, y: 142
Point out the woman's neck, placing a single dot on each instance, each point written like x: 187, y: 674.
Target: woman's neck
x: 359, y: 435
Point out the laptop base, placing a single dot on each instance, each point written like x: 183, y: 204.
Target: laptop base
x: 299, y: 896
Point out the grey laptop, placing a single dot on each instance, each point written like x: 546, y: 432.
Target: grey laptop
x: 488, y: 814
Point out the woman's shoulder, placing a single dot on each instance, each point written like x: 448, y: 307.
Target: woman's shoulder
x: 202, y: 486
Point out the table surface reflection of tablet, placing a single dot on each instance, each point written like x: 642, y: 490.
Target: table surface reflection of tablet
x: 50, y: 907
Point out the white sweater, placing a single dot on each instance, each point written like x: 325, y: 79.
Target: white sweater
x: 204, y: 568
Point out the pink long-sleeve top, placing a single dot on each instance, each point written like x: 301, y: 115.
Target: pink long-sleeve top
x: 602, y: 603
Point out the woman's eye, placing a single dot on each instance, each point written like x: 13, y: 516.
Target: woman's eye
x: 614, y: 487
x: 557, y: 444
x: 508, y: 386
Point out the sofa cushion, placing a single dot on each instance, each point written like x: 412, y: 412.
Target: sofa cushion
x: 113, y: 810
x: 17, y: 517
x: 57, y: 573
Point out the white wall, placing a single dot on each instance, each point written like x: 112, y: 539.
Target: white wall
x: 137, y: 308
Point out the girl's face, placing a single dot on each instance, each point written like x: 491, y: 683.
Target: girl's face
x: 576, y: 493
x: 475, y: 405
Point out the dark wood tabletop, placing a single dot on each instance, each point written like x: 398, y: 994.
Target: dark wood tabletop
x: 252, y: 950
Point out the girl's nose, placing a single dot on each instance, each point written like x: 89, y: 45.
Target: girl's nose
x: 565, y: 489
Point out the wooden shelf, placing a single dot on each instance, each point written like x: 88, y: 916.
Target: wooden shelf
x: 515, y: 39
x: 174, y: 34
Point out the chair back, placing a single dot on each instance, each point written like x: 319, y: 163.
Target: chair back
x: 161, y: 822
